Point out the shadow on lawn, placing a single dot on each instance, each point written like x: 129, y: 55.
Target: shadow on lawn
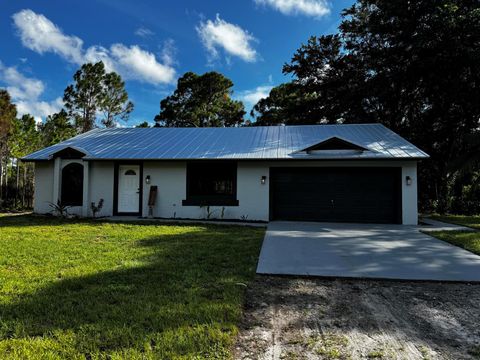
x: 28, y: 220
x: 183, y: 298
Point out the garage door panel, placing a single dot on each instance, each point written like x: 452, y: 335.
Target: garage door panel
x: 336, y: 194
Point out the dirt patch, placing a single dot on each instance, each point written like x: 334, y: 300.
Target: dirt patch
x: 292, y: 318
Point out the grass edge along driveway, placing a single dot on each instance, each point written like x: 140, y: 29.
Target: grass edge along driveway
x: 92, y: 290
x: 468, y: 240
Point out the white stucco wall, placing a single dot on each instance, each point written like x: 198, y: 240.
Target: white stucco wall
x: 170, y: 177
x: 43, y: 187
x: 101, y: 186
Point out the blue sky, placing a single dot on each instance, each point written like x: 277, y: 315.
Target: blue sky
x: 151, y: 43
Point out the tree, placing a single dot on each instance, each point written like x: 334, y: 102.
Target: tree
x: 413, y: 66
x: 114, y: 103
x: 201, y: 101
x: 8, y: 113
x: 144, y: 124
x: 95, y: 91
x: 24, y: 139
x: 56, y: 128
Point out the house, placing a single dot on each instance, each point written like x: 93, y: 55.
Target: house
x: 344, y: 173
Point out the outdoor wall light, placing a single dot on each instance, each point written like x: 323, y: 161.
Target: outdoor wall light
x: 408, y: 180
x: 147, y: 179
x: 263, y: 180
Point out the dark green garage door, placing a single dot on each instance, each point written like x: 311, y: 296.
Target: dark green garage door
x: 371, y: 195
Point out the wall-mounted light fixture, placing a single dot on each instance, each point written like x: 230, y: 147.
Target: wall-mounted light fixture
x: 408, y: 180
x: 147, y: 179
x: 263, y: 180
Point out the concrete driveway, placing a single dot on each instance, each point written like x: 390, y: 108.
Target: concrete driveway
x: 364, y: 251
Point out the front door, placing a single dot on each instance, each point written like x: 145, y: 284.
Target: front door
x: 128, y: 188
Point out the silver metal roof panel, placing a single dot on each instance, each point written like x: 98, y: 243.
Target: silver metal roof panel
x: 242, y: 143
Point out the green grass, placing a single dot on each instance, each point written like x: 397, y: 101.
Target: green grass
x: 468, y: 240
x: 470, y: 221
x: 101, y: 290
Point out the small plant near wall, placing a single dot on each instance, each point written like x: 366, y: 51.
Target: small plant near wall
x: 244, y: 217
x: 209, y: 211
x: 96, y: 208
x: 59, y: 209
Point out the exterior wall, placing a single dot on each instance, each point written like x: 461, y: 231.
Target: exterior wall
x: 43, y: 187
x: 170, y: 177
x: 409, y: 194
x: 101, y: 186
x: 98, y: 184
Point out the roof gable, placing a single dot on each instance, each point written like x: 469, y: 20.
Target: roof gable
x: 69, y: 152
x: 333, y: 143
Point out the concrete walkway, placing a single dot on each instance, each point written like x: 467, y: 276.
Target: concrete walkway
x: 365, y: 251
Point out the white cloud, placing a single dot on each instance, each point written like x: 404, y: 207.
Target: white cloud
x: 41, y: 35
x: 25, y: 93
x: 314, y: 8
x: 99, y: 53
x: 139, y: 64
x: 231, y: 38
x: 39, y: 109
x: 251, y: 97
x: 19, y: 86
x: 144, y: 32
x: 169, y: 52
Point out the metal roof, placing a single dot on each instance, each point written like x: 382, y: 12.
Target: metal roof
x: 247, y: 143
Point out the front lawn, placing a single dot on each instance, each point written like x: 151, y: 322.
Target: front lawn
x: 91, y: 290
x: 469, y: 240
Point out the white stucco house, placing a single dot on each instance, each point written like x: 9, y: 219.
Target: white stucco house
x: 344, y: 173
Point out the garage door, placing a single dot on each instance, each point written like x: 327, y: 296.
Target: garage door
x: 336, y: 194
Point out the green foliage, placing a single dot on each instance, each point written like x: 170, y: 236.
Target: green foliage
x: 95, y: 91
x: 201, y: 101
x: 24, y: 136
x: 413, y: 66
x: 144, y: 124
x: 114, y: 103
x: 56, y: 128
x: 8, y: 113
x: 59, y: 209
x: 103, y: 290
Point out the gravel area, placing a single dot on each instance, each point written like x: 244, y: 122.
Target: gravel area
x: 301, y: 318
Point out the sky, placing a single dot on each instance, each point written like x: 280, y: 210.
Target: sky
x: 151, y: 44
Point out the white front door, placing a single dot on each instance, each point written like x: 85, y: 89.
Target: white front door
x: 128, y: 188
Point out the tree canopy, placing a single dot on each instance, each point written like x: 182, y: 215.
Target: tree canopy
x: 56, y: 128
x: 201, y: 101
x: 94, y: 90
x: 413, y: 66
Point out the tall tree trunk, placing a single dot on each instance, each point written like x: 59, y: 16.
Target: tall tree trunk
x: 24, y: 184
x: 17, y: 183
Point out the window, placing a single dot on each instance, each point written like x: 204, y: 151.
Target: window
x: 130, y: 172
x: 72, y: 185
x: 212, y: 183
